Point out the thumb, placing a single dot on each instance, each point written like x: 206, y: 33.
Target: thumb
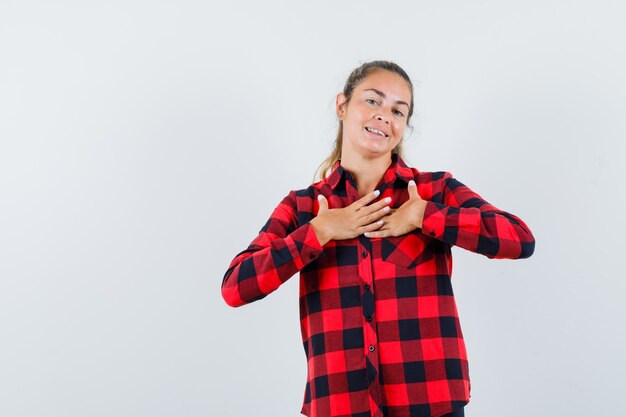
x: 413, y: 194
x: 323, y: 203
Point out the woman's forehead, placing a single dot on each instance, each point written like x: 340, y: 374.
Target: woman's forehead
x: 387, y: 84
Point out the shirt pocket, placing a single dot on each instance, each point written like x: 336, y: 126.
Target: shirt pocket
x: 408, y: 250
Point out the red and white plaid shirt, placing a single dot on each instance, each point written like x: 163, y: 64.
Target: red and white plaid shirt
x: 379, y: 321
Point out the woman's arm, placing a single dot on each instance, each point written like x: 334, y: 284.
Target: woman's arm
x: 466, y: 220
x: 279, y: 251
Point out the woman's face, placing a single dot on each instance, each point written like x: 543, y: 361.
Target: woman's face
x: 381, y: 101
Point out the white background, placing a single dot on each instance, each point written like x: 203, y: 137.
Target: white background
x: 144, y: 143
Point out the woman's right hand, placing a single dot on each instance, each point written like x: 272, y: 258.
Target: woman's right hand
x: 350, y: 221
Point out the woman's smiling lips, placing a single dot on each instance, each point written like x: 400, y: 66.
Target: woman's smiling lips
x: 374, y: 135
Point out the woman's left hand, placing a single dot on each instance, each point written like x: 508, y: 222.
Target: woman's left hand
x: 404, y: 219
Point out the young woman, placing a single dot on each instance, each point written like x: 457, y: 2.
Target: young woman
x: 372, y: 241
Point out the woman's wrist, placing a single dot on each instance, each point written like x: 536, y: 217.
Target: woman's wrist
x: 419, y: 216
x: 319, y: 231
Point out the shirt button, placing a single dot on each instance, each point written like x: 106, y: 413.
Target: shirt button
x: 372, y: 348
x: 367, y: 287
x: 368, y: 318
x: 364, y: 254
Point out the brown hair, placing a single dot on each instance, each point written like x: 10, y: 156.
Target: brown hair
x: 354, y: 79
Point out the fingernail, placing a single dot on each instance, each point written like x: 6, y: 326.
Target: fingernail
x: 411, y: 182
x: 380, y: 222
x: 367, y: 234
x: 388, y: 199
x: 376, y: 193
x: 319, y: 197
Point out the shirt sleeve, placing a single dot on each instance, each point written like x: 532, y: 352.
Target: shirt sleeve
x: 281, y: 249
x: 466, y: 220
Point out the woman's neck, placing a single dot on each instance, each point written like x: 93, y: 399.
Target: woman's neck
x: 367, y: 172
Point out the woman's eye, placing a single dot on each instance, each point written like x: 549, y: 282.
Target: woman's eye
x: 372, y: 101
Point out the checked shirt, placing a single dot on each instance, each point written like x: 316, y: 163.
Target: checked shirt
x: 378, y: 317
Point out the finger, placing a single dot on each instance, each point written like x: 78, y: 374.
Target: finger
x: 368, y: 227
x: 366, y: 199
x: 413, y: 190
x: 377, y: 233
x: 323, y: 203
x: 370, y: 218
x: 377, y: 230
x: 372, y: 208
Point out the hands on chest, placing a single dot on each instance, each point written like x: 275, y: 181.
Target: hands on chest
x: 374, y: 220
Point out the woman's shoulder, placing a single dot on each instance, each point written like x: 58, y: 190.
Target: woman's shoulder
x: 303, y: 197
x: 429, y: 176
x: 313, y: 189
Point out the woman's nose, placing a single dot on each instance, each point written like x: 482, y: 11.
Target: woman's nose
x: 382, y: 116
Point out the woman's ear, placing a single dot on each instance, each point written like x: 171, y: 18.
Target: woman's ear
x: 340, y: 101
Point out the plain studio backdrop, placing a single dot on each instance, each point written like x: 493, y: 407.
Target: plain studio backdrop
x: 144, y: 144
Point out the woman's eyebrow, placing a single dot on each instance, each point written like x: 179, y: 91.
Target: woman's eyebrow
x: 380, y: 93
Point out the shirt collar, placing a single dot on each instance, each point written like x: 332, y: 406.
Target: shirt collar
x: 396, y: 170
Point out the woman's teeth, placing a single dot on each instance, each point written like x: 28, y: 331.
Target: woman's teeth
x: 375, y: 131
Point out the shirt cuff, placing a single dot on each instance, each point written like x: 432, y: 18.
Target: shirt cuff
x: 306, y: 244
x: 434, y: 220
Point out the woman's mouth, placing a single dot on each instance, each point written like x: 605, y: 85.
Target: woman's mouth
x: 375, y: 133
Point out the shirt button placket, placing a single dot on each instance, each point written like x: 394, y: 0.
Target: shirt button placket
x: 369, y: 325
x: 368, y: 303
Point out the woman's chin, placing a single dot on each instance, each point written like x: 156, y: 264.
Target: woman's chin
x: 375, y: 150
